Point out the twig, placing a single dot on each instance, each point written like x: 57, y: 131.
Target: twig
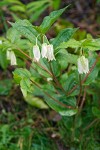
x: 91, y: 124
x: 56, y: 80
x: 83, y: 100
x: 24, y: 54
x: 90, y: 70
x: 35, y: 62
x: 44, y: 69
x: 60, y: 103
x: 73, y: 89
x: 35, y: 68
x: 80, y: 90
x: 87, y: 127
x: 45, y: 79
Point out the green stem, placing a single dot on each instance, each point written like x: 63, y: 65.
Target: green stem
x: 79, y: 111
x: 56, y: 80
x: 51, y: 74
x: 35, y: 62
x: 79, y: 96
x: 83, y: 100
x: 57, y: 101
x: 91, y: 124
x: 88, y: 127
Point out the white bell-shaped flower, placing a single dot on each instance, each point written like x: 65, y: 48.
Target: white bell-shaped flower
x: 0, y: 42
x: 13, y: 58
x: 83, y: 65
x: 50, y: 52
x: 44, y: 50
x: 36, y: 53
x: 49, y: 79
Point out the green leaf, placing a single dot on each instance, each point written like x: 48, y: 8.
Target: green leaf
x: 18, y: 8
x: 55, y: 68
x: 35, y: 101
x: 91, y: 44
x: 63, y: 78
x: 96, y: 112
x: 63, y: 36
x: 70, y: 83
x: 62, y: 62
x: 40, y: 70
x: 68, y: 100
x: 35, y: 5
x: 92, y: 76
x: 72, y: 43
x: 3, y: 3
x: 60, y: 109
x: 14, y: 2
x: 68, y: 58
x: 69, y: 112
x: 15, y: 17
x: 37, y: 13
x: 13, y: 35
x: 26, y: 29
x: 21, y: 74
x: 3, y: 60
x: 49, y: 20
x: 79, y: 122
x: 24, y: 44
x: 25, y: 85
x: 24, y: 91
x: 56, y: 4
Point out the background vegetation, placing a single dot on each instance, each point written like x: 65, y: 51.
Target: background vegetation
x: 30, y: 124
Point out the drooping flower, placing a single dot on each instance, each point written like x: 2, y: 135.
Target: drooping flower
x: 36, y: 53
x: 83, y: 65
x: 50, y: 52
x: 11, y: 56
x: 44, y: 50
x: 49, y: 79
x: 0, y: 42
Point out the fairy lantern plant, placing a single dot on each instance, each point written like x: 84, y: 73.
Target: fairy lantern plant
x: 63, y: 79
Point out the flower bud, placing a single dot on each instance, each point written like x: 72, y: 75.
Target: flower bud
x: 50, y: 52
x: 36, y: 53
x: 83, y: 65
x: 44, y: 50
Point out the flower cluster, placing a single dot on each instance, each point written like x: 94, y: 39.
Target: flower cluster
x: 83, y: 65
x: 47, y: 51
x: 11, y: 56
